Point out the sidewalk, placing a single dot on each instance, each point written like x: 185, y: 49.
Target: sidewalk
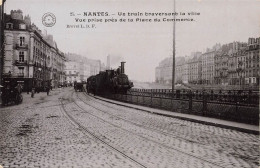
x: 27, y: 99
x: 247, y: 128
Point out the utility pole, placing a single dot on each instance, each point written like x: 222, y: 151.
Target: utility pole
x: 173, y: 54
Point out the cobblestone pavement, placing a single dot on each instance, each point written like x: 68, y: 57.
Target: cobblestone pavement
x: 85, y: 132
x: 37, y: 134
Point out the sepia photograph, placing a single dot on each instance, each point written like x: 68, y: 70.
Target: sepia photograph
x: 129, y: 83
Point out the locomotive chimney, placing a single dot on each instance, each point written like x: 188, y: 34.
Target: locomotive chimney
x: 108, y: 62
x: 122, y: 67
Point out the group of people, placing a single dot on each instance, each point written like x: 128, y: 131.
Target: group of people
x: 46, y: 88
x: 10, y: 90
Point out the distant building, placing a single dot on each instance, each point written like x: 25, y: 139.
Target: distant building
x: 221, y: 68
x: 163, y: 73
x: 252, y: 70
x: 208, y: 65
x: 81, y: 68
x: 194, y: 68
x: 235, y: 63
x: 179, y: 66
x: 72, y: 71
x: 238, y: 63
x: 237, y: 67
x: 185, y: 73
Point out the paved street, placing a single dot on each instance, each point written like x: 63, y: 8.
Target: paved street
x: 73, y: 129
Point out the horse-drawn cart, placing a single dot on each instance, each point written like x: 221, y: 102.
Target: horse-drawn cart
x: 78, y: 86
x: 11, y: 92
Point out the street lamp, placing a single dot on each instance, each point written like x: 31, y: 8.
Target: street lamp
x: 36, y: 76
x: 39, y: 70
x: 240, y: 71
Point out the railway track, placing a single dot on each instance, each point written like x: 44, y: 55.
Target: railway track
x: 163, y: 145
x: 228, y: 142
x: 85, y: 130
x: 139, y: 125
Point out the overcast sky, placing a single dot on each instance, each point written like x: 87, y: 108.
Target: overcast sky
x: 144, y: 45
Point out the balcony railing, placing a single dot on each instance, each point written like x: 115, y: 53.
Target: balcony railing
x: 24, y: 46
x: 224, y: 68
x: 232, y: 71
x: 20, y: 74
x: 240, y: 69
x: 18, y: 62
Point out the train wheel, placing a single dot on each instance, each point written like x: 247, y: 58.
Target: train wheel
x: 4, y: 102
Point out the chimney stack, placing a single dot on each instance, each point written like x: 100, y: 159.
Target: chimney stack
x: 122, y: 67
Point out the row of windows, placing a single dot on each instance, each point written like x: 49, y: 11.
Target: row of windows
x: 36, y: 54
x: 70, y: 72
x: 11, y: 26
x: 71, y: 77
x: 247, y: 73
x: 40, y: 56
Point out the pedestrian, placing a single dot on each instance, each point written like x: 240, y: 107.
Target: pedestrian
x: 47, y: 90
x: 19, y: 88
x: 33, y: 91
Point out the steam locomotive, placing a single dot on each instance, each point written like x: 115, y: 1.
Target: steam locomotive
x: 109, y: 81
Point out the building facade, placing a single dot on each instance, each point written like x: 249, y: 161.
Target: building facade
x: 236, y: 63
x: 164, y: 71
x: 241, y: 66
x: 207, y: 67
x: 72, y: 71
x: 79, y: 68
x: 195, y: 68
x: 31, y: 56
x: 252, y: 70
x: 179, y: 66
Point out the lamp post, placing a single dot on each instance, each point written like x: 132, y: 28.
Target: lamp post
x: 40, y: 70
x: 36, y: 77
x: 239, y: 72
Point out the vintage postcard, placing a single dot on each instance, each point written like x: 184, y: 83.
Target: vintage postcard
x: 129, y: 83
